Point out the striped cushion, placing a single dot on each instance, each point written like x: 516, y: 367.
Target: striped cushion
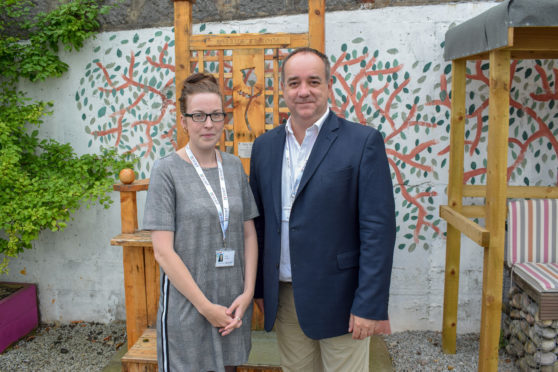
x: 532, y: 231
x: 542, y: 276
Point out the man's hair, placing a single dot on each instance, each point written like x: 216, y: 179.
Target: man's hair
x: 322, y: 56
x: 198, y: 83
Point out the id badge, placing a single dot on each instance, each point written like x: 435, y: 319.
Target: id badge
x: 224, y: 258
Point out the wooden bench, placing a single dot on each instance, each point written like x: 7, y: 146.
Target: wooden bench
x: 531, y: 302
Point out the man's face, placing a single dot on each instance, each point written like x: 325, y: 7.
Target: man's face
x: 305, y: 88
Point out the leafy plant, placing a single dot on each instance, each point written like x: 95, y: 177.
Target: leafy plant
x: 43, y: 182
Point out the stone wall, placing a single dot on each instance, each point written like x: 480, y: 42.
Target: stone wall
x: 531, y: 340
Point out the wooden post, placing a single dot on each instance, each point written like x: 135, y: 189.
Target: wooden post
x: 455, y: 201
x: 316, y: 24
x: 496, y: 184
x: 182, y: 32
x: 133, y: 262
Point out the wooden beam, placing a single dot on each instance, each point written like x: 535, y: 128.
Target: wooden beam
x: 316, y: 24
x: 543, y: 39
x: 182, y: 33
x: 455, y: 197
x: 516, y: 54
x: 474, y: 231
x: 474, y: 211
x: 248, y: 40
x: 496, y: 191
x: 515, y: 192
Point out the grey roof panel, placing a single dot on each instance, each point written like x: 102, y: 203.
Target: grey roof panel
x: 489, y: 30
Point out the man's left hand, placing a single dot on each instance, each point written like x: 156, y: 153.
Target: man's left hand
x: 361, y: 327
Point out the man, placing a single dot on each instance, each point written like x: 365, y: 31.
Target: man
x: 326, y: 229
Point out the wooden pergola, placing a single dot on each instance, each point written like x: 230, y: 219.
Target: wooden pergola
x: 519, y: 29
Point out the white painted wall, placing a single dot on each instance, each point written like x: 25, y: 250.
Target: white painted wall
x: 79, y: 275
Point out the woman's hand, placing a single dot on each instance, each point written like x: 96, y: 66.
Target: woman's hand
x: 217, y: 315
x: 236, y: 312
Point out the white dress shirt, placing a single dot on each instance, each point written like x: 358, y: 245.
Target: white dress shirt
x: 295, y: 156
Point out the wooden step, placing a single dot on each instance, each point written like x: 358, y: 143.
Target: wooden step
x: 264, y: 357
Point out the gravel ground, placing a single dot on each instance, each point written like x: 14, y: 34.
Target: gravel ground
x: 79, y: 346
x: 422, y: 351
x: 82, y: 346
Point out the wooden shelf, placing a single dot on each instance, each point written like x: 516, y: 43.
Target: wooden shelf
x: 139, y: 185
x: 141, y: 238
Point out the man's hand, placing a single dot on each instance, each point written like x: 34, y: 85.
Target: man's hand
x: 361, y: 327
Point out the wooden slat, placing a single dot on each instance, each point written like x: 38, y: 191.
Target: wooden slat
x: 475, y: 232
x: 474, y: 211
x: 139, y: 185
x: 215, y: 58
x: 141, y: 238
x: 143, y: 351
x: 221, y: 79
x: 455, y: 192
x: 151, y: 286
x: 248, y: 40
x: 134, y: 288
x: 515, y: 192
x: 276, y: 92
x: 497, y: 155
x: 248, y: 112
x: 128, y: 211
x: 201, y: 65
x: 281, y: 109
x: 182, y: 33
x: 316, y: 24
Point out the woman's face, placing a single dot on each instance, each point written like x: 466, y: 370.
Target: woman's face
x: 203, y: 135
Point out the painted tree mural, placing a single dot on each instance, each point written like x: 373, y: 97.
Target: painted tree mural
x: 127, y: 101
x: 130, y: 104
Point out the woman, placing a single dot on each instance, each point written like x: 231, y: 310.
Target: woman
x: 200, y: 210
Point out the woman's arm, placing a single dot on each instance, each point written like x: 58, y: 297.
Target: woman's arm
x: 241, y: 303
x: 250, y: 256
x: 183, y: 281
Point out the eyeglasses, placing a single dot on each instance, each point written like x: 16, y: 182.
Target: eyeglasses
x: 200, y: 117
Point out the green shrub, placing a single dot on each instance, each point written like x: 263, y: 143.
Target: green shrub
x: 42, y: 181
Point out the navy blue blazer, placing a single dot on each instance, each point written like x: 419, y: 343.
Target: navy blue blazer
x: 341, y: 228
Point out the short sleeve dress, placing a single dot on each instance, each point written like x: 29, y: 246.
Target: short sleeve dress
x: 178, y: 201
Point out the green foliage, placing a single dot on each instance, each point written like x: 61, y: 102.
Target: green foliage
x: 43, y: 182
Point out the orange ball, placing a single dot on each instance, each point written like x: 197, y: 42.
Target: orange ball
x: 127, y: 176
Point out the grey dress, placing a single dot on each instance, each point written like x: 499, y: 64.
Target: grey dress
x: 178, y: 201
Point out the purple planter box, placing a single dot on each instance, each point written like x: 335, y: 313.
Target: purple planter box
x: 18, y: 313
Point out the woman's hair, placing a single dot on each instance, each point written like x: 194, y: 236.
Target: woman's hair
x: 198, y: 83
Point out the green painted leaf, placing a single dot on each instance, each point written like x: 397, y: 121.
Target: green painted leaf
x: 426, y: 67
